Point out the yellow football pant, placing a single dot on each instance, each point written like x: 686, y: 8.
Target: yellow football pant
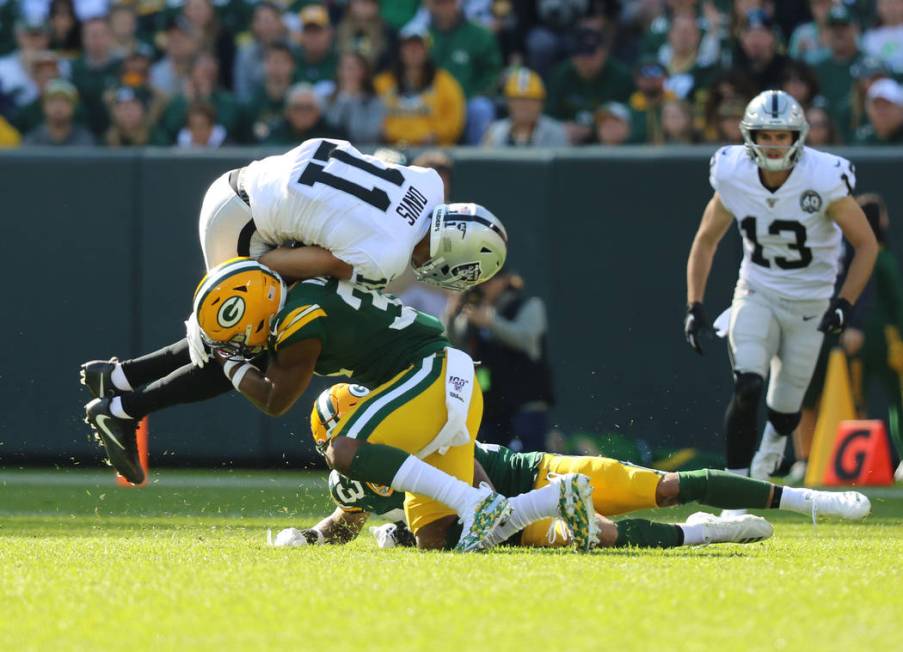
x: 408, y: 412
x: 617, y: 488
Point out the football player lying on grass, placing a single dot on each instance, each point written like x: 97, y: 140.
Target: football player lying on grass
x: 618, y: 488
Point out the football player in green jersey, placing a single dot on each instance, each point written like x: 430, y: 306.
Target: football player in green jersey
x: 414, y: 432
x: 618, y: 488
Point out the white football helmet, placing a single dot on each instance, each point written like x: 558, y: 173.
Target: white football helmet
x: 468, y: 245
x: 776, y: 111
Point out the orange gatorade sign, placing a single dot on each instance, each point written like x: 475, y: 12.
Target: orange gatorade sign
x: 861, y: 455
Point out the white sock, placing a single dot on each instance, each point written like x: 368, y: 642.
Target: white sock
x: 120, y: 382
x: 417, y: 477
x: 794, y: 500
x: 744, y: 471
x: 116, y: 409
x: 770, y: 434
x: 693, y: 534
x: 528, y: 508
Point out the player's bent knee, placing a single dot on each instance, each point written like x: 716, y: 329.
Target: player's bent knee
x: 608, y: 532
x: 341, y: 452
x: 667, y: 492
x: 748, y: 389
x: 785, y: 423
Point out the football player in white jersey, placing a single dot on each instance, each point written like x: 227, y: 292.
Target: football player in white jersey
x: 792, y: 205
x: 361, y: 218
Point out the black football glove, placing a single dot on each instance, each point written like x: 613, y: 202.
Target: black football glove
x: 696, y: 326
x: 836, y: 318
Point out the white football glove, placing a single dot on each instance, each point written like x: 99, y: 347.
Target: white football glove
x: 385, y: 535
x: 292, y: 537
x: 196, y: 349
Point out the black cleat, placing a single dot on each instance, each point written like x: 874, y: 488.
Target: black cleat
x: 119, y: 438
x: 95, y: 375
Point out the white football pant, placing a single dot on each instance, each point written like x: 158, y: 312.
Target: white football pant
x: 770, y: 333
x: 225, y: 227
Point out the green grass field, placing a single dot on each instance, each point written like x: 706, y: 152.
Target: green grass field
x: 183, y: 565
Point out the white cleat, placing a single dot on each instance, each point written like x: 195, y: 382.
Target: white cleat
x: 576, y: 509
x: 768, y: 458
x: 738, y: 529
x: 730, y: 513
x: 850, y: 505
x: 488, y: 511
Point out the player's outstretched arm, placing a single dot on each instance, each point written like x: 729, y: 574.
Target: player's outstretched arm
x: 287, y: 376
x: 716, y: 220
x: 299, y: 263
x: 341, y: 526
x: 852, y: 221
x: 337, y: 528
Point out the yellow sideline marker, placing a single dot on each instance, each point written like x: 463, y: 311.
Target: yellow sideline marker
x: 836, y: 405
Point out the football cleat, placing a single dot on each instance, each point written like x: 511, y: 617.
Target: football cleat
x: 95, y: 375
x: 737, y: 529
x: 118, y: 437
x: 575, y: 507
x: 850, y: 505
x: 489, y: 510
x: 768, y: 458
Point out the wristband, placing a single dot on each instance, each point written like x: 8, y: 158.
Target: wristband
x: 238, y: 375
x: 229, y: 365
x: 314, y: 536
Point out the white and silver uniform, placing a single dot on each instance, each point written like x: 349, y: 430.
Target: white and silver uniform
x: 791, y: 258
x: 368, y: 213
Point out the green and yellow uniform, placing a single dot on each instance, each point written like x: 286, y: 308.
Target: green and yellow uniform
x: 400, y: 353
x: 618, y: 487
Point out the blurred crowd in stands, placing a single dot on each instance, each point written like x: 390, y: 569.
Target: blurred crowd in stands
x: 409, y: 73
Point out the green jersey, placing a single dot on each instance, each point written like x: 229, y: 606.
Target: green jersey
x: 510, y: 473
x: 378, y: 499
x: 366, y: 335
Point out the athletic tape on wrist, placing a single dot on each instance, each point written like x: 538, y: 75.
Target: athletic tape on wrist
x: 238, y: 375
x: 229, y: 365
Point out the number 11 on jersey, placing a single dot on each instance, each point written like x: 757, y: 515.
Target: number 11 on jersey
x: 376, y: 197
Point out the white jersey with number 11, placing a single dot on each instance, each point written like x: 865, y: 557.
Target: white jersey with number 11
x: 368, y: 213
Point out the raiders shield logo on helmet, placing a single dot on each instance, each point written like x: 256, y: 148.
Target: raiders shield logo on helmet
x: 468, y: 271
